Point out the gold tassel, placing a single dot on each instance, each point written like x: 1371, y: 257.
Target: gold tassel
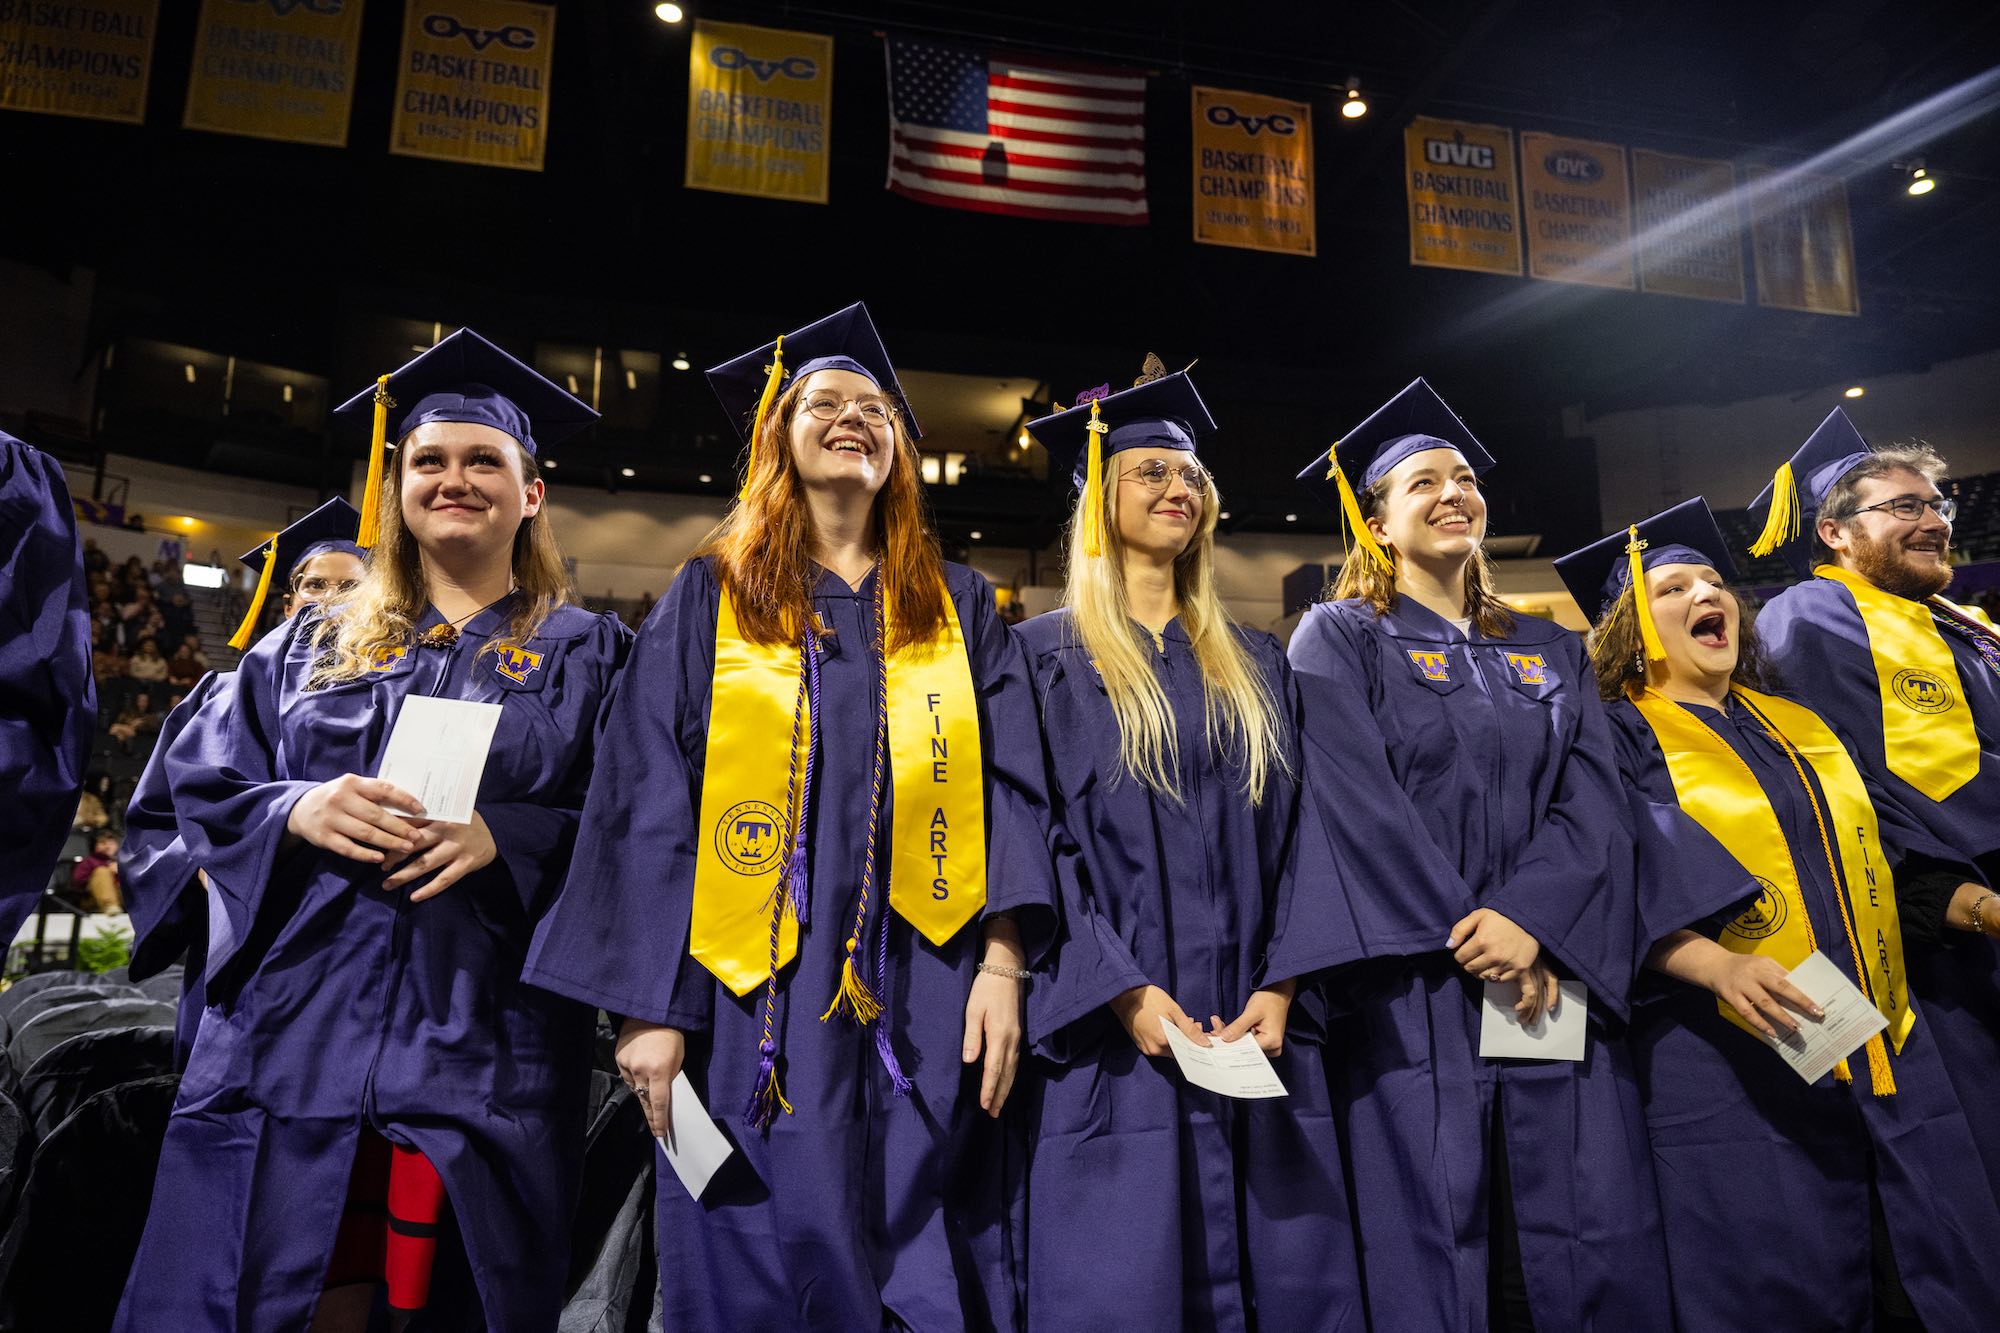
x: 247, y: 631
x: 1350, y: 509
x: 1649, y: 633
x: 1880, y: 1078
x: 1782, y: 523
x: 766, y: 1099
x: 853, y: 998
x: 774, y: 375
x: 1841, y: 1073
x: 371, y: 495
x: 1093, y: 484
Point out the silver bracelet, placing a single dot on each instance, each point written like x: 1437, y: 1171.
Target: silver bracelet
x: 1002, y: 970
x: 1978, y: 925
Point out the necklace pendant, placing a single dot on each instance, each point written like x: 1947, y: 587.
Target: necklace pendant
x: 440, y: 636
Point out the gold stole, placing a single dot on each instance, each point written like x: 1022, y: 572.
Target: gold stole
x: 753, y: 785
x: 1718, y: 790
x: 1927, y: 730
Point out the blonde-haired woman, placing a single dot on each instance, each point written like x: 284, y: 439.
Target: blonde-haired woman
x: 1193, y: 898
x: 816, y: 816
x: 1463, y: 766
x: 370, y: 1075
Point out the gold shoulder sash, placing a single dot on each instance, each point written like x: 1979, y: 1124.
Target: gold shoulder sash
x: 1719, y: 792
x: 1927, y: 729
x: 754, y: 785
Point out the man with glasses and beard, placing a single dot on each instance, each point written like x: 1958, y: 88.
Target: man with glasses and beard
x: 1868, y: 641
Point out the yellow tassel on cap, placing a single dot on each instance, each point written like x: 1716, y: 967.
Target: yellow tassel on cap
x: 774, y: 375
x: 1093, y: 485
x: 371, y: 495
x: 247, y: 631
x: 1350, y: 509
x: 1649, y: 633
x: 1782, y: 523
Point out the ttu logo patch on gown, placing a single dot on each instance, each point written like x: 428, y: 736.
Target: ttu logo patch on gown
x: 1434, y: 666
x: 1529, y: 668
x: 517, y: 664
x: 387, y: 659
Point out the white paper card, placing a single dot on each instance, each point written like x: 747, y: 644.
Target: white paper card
x: 437, y: 753
x: 1552, y: 1036
x: 1851, y: 1019
x: 695, y: 1148
x: 1235, y: 1069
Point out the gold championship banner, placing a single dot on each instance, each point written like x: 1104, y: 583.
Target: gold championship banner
x: 1690, y: 229
x: 1464, y: 212
x: 92, y: 60
x: 1253, y: 171
x: 1578, y: 209
x: 473, y: 85
x: 1805, y: 251
x: 759, y: 102
x: 275, y: 69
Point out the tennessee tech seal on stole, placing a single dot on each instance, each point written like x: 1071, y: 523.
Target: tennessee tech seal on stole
x: 750, y: 837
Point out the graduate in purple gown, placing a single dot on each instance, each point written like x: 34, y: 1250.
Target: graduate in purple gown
x: 369, y: 1071
x: 1190, y: 893
x: 315, y: 558
x: 813, y: 874
x: 1732, y: 784
x: 1461, y: 762
x: 48, y: 698
x: 1866, y: 640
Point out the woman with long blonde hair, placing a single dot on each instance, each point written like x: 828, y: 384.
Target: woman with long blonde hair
x: 1194, y: 899
x: 372, y: 1087
x: 1460, y: 759
x: 812, y: 876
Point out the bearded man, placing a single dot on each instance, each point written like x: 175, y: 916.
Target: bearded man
x: 1913, y: 682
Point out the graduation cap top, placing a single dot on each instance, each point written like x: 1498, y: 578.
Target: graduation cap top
x: 1414, y: 421
x: 463, y: 378
x: 1799, y: 489
x: 331, y: 527
x: 844, y: 340
x: 1686, y: 534
x: 1162, y: 412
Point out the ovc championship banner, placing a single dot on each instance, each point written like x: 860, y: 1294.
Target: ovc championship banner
x: 1805, y: 251
x: 1578, y: 209
x: 759, y: 100
x: 1253, y: 171
x: 91, y: 59
x: 474, y: 82
x: 1464, y: 212
x: 275, y: 69
x: 1690, y: 230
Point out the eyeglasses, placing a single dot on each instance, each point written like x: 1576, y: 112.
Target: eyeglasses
x: 1909, y: 508
x: 314, y: 586
x: 1154, y: 473
x: 828, y: 407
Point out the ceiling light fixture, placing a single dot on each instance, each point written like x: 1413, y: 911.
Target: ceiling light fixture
x: 627, y: 472
x: 1921, y: 181
x: 1355, y: 106
x: 669, y: 13
x: 705, y: 479
x: 1853, y: 391
x: 681, y: 362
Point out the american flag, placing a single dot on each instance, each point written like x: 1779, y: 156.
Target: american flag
x: 977, y: 129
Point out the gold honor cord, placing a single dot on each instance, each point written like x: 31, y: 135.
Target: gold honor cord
x: 1719, y: 792
x: 1927, y: 728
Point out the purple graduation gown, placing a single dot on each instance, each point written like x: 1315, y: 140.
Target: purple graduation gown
x: 48, y: 698
x: 1747, y: 1156
x: 331, y: 1004
x: 862, y: 1207
x: 1455, y: 773
x: 161, y: 884
x: 1221, y: 1214
x: 1816, y: 644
